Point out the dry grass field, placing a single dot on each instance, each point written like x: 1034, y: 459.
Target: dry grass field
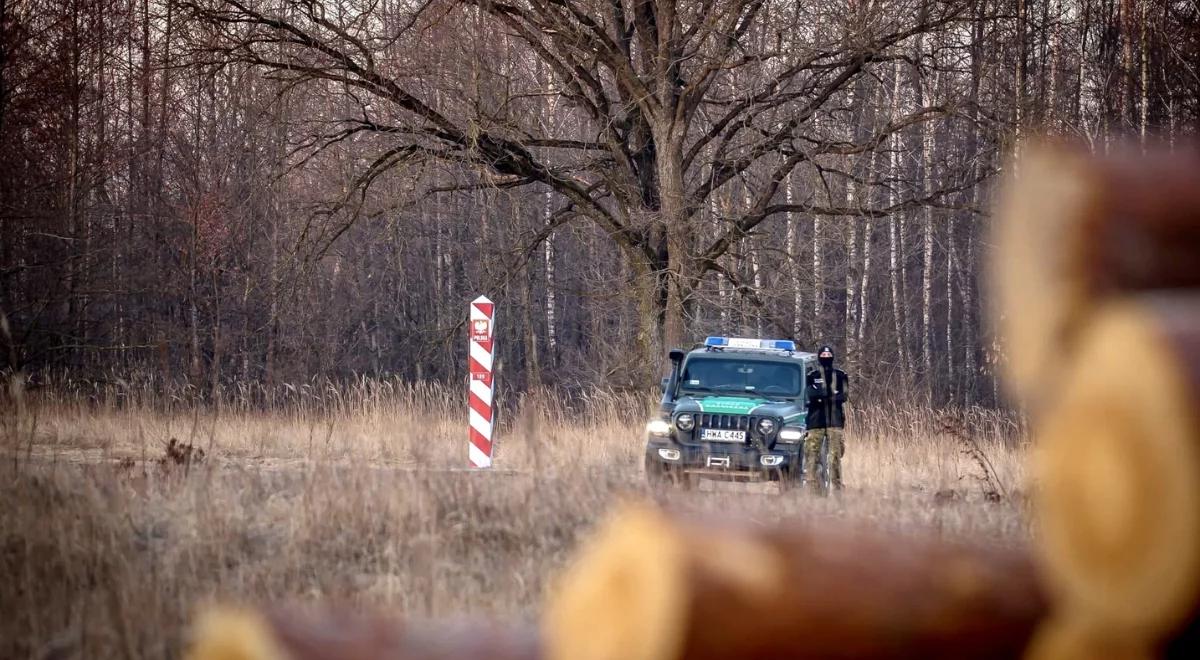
x: 357, y: 494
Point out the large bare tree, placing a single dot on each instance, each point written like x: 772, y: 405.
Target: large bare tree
x: 171, y: 172
x: 669, y: 102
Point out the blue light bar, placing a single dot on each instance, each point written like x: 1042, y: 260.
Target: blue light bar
x: 744, y: 342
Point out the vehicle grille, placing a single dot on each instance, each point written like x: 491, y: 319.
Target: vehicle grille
x: 729, y: 422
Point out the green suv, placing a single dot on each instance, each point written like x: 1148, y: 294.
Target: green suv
x: 733, y: 410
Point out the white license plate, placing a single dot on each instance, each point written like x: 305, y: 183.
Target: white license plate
x: 721, y: 435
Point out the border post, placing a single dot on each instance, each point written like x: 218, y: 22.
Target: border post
x: 481, y: 326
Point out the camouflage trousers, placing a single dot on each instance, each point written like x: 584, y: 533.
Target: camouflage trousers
x: 812, y: 456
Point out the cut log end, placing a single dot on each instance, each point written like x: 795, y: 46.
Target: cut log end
x: 1036, y: 294
x: 234, y: 634
x: 1065, y: 638
x: 1118, y: 470
x: 624, y: 594
x: 1074, y: 230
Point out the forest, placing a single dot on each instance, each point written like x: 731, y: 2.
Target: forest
x: 210, y: 192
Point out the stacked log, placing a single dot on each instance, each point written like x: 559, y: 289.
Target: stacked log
x: 1074, y: 230
x: 1097, y: 277
x: 339, y: 634
x: 1118, y: 473
x: 655, y: 586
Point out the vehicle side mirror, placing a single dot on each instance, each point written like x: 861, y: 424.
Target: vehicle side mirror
x: 666, y: 382
x: 675, y: 354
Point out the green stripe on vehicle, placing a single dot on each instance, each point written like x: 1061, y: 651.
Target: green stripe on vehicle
x: 729, y: 405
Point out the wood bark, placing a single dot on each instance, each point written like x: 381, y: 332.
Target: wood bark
x: 1072, y: 231
x: 850, y: 317
x: 1118, y: 469
x: 654, y: 586
x: 551, y: 308
x: 895, y: 237
x: 293, y: 634
x: 792, y: 241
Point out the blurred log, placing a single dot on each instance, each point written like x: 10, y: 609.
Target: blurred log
x: 1072, y: 229
x: 290, y: 634
x: 652, y: 586
x: 1065, y: 638
x: 1118, y: 471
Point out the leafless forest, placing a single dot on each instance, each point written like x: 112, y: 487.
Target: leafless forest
x: 222, y: 191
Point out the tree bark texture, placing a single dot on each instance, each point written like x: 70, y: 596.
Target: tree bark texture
x: 333, y: 634
x: 655, y: 586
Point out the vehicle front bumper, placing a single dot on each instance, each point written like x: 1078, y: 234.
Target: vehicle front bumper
x: 730, y: 461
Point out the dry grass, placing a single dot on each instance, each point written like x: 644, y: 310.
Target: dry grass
x: 353, y: 494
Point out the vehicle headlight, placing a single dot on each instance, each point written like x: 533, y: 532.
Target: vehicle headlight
x: 658, y: 427
x: 766, y: 426
x: 685, y: 422
x: 791, y: 435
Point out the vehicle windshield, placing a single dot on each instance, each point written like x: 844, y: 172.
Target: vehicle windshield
x: 742, y: 376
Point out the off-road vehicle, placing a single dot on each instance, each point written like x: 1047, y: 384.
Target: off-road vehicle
x: 732, y: 409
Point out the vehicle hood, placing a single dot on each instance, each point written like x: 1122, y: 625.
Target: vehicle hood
x: 789, y: 411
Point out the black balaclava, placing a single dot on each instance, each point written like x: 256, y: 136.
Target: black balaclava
x: 826, y: 362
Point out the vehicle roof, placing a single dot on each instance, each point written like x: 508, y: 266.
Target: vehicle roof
x: 771, y: 355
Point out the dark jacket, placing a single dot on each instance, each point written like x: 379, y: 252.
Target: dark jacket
x: 826, y: 394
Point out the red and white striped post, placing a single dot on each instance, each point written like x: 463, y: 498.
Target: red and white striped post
x: 483, y: 315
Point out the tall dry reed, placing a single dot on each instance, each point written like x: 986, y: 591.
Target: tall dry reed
x: 356, y: 492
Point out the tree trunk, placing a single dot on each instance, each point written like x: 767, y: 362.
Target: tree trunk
x: 1021, y: 73
x: 850, y: 319
x: 755, y: 273
x: 863, y: 297
x: 864, y: 311
x: 673, y: 214
x: 1128, y: 66
x: 793, y: 252
x: 1144, y: 78
x: 551, y: 309
x: 533, y: 370
x: 951, y: 377
x: 818, y: 266
x: 895, y: 237
x: 648, y: 286
x: 923, y: 94
x: 217, y: 344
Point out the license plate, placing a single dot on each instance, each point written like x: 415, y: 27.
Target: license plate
x: 722, y: 435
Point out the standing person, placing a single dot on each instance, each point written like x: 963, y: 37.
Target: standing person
x: 825, y: 388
